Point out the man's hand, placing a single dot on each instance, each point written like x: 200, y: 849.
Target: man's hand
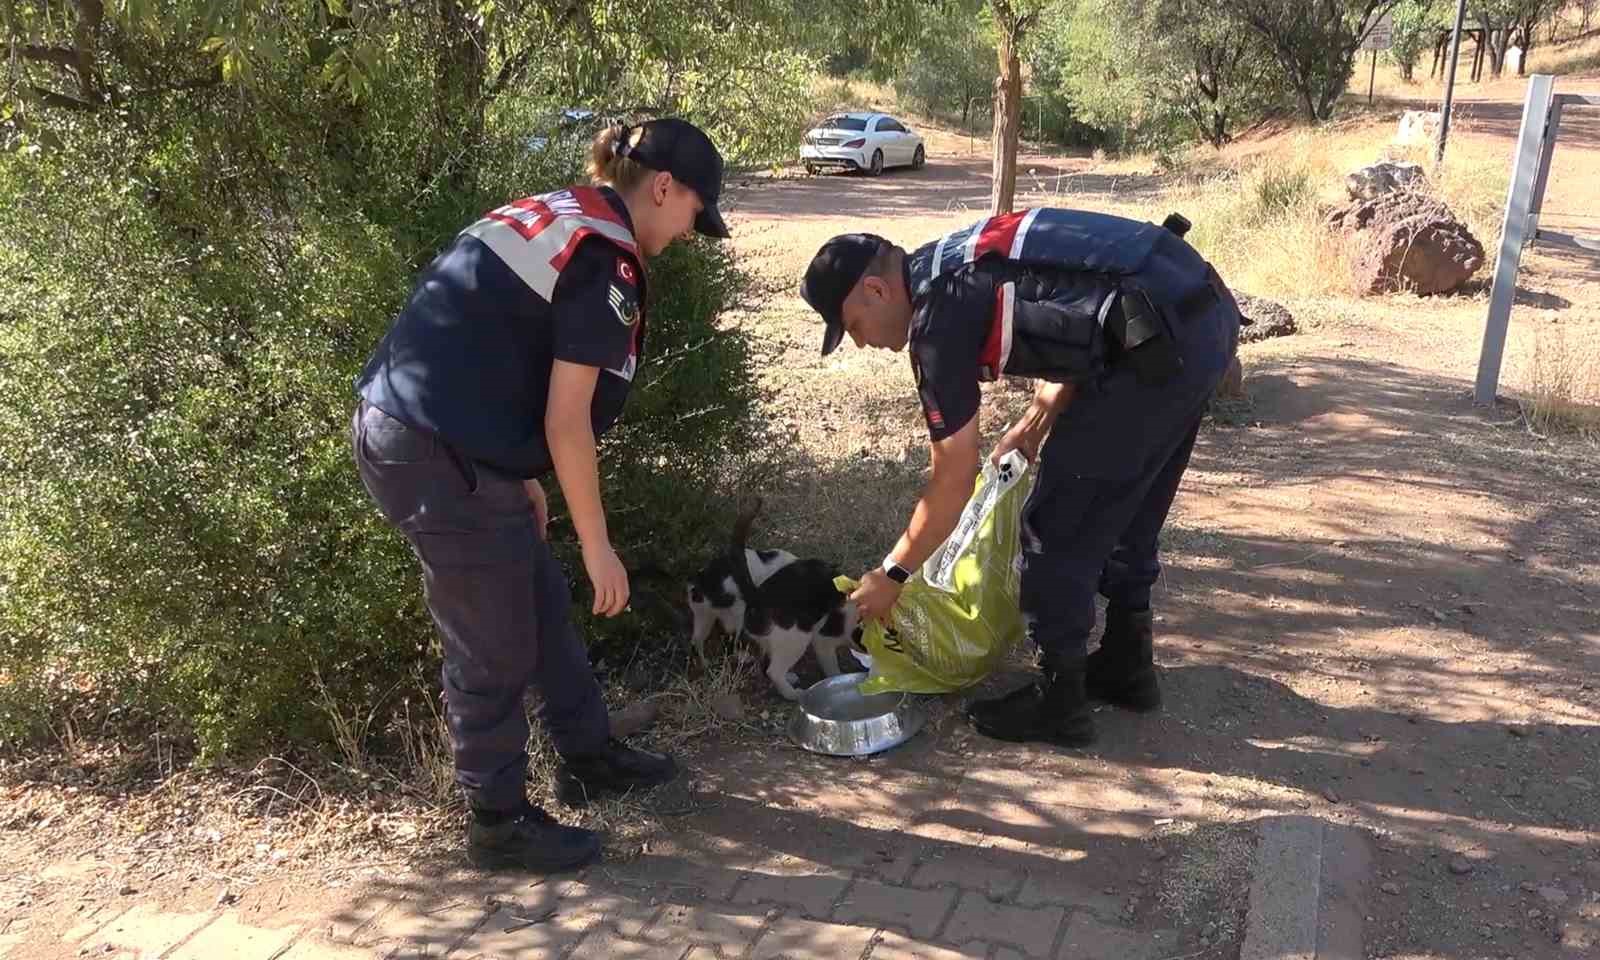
x: 876, y: 596
x: 1025, y: 435
x: 1028, y: 433
x: 541, y: 507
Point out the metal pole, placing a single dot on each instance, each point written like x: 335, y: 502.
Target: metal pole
x: 1371, y: 76
x: 1531, y: 145
x: 1450, y: 81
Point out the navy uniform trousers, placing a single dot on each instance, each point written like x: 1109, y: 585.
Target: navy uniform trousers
x: 1106, y: 478
x: 499, y: 599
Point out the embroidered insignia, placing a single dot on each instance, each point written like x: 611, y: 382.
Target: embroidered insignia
x: 623, y: 305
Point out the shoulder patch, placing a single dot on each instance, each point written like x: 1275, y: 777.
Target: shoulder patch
x: 624, y: 301
x: 625, y: 271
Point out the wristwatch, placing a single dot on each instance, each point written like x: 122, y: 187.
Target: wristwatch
x: 896, y: 572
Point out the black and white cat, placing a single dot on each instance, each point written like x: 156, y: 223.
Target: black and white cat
x: 780, y: 601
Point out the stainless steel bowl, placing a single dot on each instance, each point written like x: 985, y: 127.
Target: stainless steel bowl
x: 833, y: 717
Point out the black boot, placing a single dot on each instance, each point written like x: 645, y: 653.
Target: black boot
x: 616, y: 768
x: 529, y: 839
x: 1123, y: 670
x: 1054, y: 709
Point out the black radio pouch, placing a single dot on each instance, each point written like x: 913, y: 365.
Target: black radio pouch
x: 1148, y: 346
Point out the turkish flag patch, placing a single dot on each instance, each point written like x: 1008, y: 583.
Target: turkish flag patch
x: 625, y: 271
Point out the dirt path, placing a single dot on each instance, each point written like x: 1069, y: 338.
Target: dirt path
x: 1379, y: 609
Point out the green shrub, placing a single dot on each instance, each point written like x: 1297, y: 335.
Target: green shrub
x: 185, y: 302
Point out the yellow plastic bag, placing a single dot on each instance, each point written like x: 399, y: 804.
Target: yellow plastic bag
x: 957, y: 617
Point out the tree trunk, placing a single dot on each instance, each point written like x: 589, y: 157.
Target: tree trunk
x: 1493, y: 44
x: 1007, y: 121
x: 1302, y: 86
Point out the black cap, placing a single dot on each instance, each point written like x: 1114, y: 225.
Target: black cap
x: 682, y: 149
x: 832, y: 275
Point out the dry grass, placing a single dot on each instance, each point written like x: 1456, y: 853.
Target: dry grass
x: 1566, y: 59
x: 1258, y: 207
x: 1563, y: 393
x: 1210, y: 878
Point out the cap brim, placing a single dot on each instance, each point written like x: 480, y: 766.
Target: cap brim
x: 831, y: 335
x: 709, y: 223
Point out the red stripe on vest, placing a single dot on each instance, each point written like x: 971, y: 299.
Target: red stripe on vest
x: 594, y: 204
x: 990, y: 357
x: 998, y: 235
x: 542, y: 216
x: 559, y: 261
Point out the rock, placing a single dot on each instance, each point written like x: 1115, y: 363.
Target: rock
x: 1460, y: 866
x: 1232, y: 385
x: 1555, y: 896
x: 1391, y: 888
x: 1329, y: 795
x: 1384, y: 177
x: 1270, y: 318
x: 728, y: 706
x: 127, y: 891
x: 1408, y: 241
x: 226, y: 897
x: 634, y: 718
x: 1418, y: 126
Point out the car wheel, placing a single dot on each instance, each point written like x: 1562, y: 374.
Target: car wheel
x: 877, y: 162
x: 918, y: 159
x: 811, y: 168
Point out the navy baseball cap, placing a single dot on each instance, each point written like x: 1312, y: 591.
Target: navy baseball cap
x: 682, y: 149
x: 833, y: 273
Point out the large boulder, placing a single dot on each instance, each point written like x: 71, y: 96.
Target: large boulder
x: 1408, y: 241
x: 1269, y: 318
x: 1384, y: 177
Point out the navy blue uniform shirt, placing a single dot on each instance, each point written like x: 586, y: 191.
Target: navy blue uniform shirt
x: 469, y: 356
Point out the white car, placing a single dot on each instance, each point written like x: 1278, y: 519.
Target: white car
x: 572, y: 128
x: 862, y: 141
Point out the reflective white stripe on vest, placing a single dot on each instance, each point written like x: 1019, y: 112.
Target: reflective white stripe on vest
x: 1105, y: 308
x: 968, y: 248
x: 938, y: 255
x: 532, y: 260
x: 1022, y: 233
x: 1008, y: 300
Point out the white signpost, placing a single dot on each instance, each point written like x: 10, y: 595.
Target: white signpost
x: 1377, y: 36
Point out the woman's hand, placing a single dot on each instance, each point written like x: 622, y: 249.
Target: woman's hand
x: 609, y: 578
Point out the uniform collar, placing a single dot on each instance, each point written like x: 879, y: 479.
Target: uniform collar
x: 615, y: 199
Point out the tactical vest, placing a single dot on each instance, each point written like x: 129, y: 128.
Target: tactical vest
x: 537, y: 236
x: 1076, y: 292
